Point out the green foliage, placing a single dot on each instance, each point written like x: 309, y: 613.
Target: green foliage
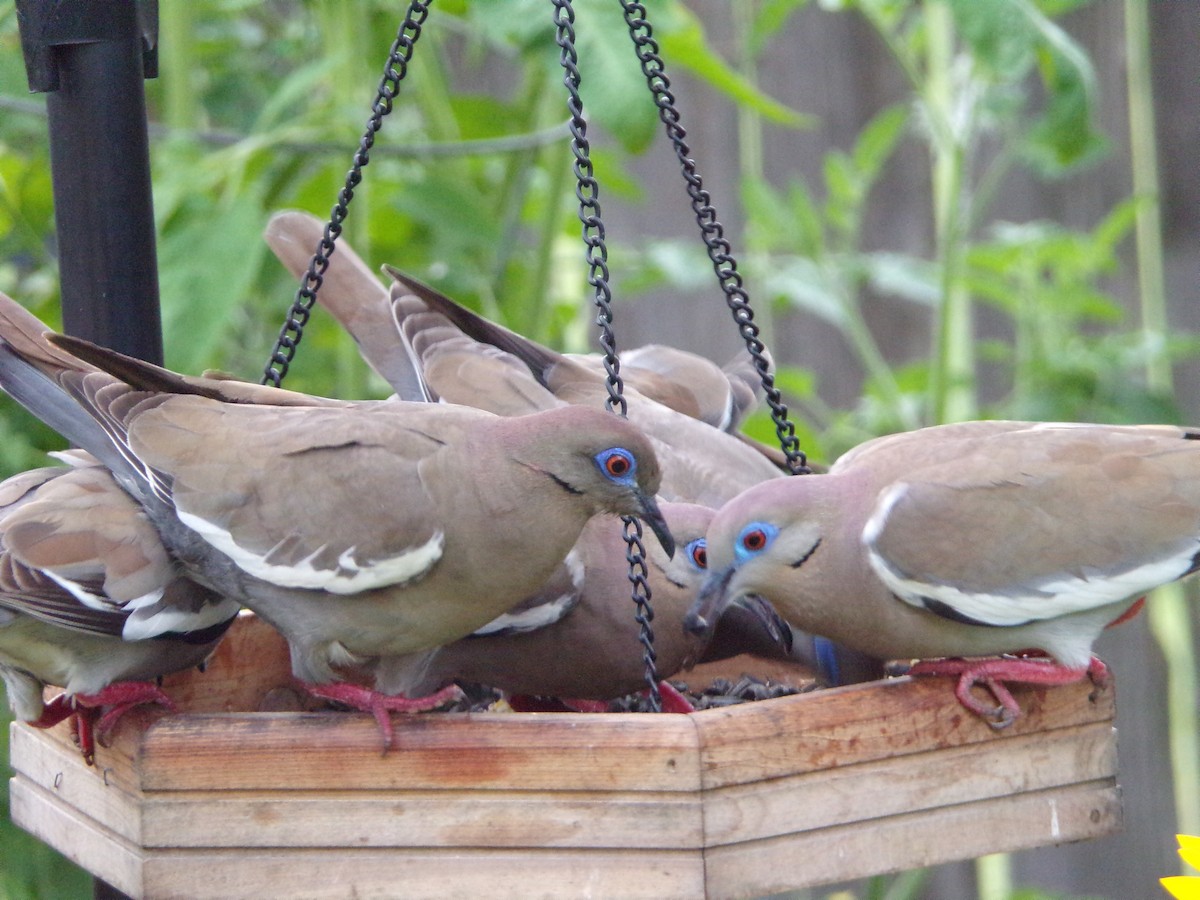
x: 1012, y: 89
x: 469, y: 187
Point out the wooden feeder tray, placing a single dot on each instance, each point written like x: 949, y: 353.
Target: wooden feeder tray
x: 732, y: 802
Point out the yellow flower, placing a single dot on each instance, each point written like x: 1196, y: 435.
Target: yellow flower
x: 1184, y: 887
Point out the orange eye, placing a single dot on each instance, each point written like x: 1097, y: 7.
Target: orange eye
x: 699, y: 550
x: 617, y: 466
x: 616, y: 463
x: 754, y: 540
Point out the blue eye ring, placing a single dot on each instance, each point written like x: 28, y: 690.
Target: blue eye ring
x: 697, y: 553
x: 617, y: 463
x: 754, y: 539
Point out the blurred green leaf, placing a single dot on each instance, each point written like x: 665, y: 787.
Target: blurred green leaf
x: 206, y: 273
x: 683, y: 42
x: 877, y: 141
x: 999, y: 34
x: 772, y: 16
x: 804, y: 284
x: 907, y: 277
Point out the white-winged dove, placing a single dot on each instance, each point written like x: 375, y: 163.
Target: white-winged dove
x: 970, y: 540
x: 423, y: 355
x: 91, y: 601
x: 359, y: 530
x: 591, y: 651
x: 721, y: 396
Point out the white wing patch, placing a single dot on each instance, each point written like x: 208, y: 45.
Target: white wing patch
x: 1036, y: 600
x: 350, y: 577
x: 148, y: 619
x: 86, y: 597
x: 544, y: 614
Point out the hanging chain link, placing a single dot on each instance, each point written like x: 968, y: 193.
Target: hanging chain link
x: 587, y: 190
x: 393, y: 73
x: 597, y: 257
x: 713, y: 234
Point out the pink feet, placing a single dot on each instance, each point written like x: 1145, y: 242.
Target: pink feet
x: 381, y: 706
x: 89, y: 724
x: 672, y: 700
x: 991, y: 674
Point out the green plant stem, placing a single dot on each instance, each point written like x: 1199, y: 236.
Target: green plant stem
x: 1026, y: 337
x: 953, y: 377
x: 1169, y: 611
x: 867, y: 348
x: 993, y: 877
x: 556, y: 162
x: 750, y: 136
x: 1143, y: 153
x: 181, y: 105
x: 534, y: 110
x: 356, y: 47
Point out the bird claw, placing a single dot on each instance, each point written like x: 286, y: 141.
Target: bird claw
x: 122, y: 697
x: 991, y: 674
x: 88, y: 725
x: 672, y: 700
x: 381, y: 706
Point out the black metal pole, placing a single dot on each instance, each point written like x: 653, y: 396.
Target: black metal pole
x: 91, y: 56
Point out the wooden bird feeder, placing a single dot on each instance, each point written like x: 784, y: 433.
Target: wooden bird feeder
x: 221, y: 800
x: 226, y: 800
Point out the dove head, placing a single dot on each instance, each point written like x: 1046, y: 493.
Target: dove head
x: 599, y: 458
x: 760, y: 543
x: 687, y: 569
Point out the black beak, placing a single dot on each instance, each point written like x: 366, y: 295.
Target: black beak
x: 762, y: 612
x: 653, y: 517
x: 701, y: 619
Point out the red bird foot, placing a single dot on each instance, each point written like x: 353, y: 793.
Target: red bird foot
x: 89, y: 725
x: 672, y: 700
x: 991, y: 674
x: 381, y: 706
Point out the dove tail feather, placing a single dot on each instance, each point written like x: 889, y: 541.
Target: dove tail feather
x: 539, y: 359
x: 50, y: 402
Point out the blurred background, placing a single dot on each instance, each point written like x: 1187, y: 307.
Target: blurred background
x: 943, y: 209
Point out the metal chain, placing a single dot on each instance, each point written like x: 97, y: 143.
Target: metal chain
x: 719, y: 250
x: 587, y: 190
x: 597, y: 256
x: 393, y: 73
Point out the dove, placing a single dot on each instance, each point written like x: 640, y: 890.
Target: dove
x: 721, y: 396
x: 423, y: 355
x: 959, y: 543
x: 91, y: 601
x: 359, y: 530
x: 592, y: 652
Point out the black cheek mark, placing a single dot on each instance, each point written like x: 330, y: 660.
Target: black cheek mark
x: 807, y: 556
x: 566, y: 486
x: 1191, y: 436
